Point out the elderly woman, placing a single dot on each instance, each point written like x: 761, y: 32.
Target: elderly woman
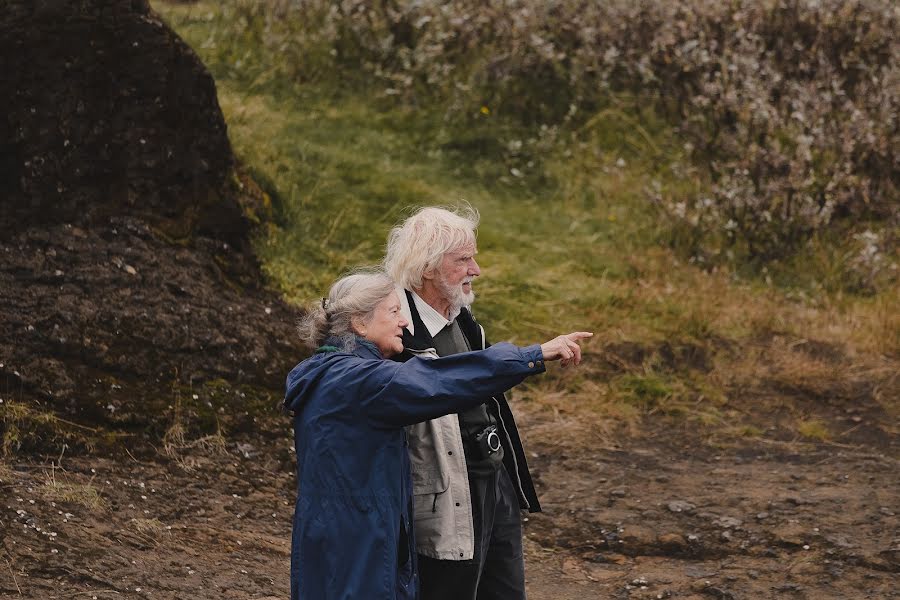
x: 352, y: 523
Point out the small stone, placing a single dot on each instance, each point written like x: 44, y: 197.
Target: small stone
x: 727, y: 522
x: 638, y: 536
x: 673, y: 542
x: 680, y: 506
x: 612, y: 558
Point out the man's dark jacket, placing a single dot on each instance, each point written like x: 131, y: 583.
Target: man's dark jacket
x: 515, y: 462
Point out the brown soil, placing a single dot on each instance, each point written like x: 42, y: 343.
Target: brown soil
x: 644, y: 520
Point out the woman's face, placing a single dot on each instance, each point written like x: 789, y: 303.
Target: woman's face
x: 385, y: 329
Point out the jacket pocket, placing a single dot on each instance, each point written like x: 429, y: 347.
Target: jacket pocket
x: 429, y: 480
x: 427, y: 463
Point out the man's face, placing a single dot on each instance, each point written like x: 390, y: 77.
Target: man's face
x: 455, y: 275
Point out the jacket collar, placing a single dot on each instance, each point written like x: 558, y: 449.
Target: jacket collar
x: 416, y: 335
x: 362, y: 347
x: 366, y: 349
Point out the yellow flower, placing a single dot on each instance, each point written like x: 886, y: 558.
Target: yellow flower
x: 485, y: 110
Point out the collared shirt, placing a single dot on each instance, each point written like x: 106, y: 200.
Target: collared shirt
x: 433, y: 320
x: 449, y: 339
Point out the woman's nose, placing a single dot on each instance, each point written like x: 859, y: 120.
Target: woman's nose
x: 403, y: 323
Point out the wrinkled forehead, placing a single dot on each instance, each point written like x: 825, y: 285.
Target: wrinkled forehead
x: 463, y: 250
x: 390, y: 301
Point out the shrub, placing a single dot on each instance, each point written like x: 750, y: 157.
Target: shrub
x: 790, y: 107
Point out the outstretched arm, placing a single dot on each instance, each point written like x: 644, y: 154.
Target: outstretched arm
x: 421, y: 389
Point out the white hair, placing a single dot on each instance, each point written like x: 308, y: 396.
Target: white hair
x: 419, y: 244
x: 353, y: 296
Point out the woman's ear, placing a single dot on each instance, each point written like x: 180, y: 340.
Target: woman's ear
x: 358, y: 326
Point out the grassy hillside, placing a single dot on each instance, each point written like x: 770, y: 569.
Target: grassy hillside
x: 569, y: 239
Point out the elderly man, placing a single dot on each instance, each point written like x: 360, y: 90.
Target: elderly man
x: 470, y: 478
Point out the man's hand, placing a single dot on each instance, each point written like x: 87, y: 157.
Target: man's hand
x: 565, y: 348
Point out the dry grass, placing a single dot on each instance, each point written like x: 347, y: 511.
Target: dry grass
x: 188, y: 453
x: 29, y: 426
x: 58, y: 488
x: 149, y: 532
x: 7, y: 475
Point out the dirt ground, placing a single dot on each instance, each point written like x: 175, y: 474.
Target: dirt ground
x: 642, y: 520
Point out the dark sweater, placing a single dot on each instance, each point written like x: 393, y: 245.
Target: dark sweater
x: 450, y: 340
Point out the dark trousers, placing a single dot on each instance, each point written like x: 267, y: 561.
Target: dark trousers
x: 497, y: 571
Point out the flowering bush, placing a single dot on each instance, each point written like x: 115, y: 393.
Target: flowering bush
x: 791, y: 106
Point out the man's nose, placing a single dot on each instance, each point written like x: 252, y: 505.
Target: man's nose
x: 474, y: 269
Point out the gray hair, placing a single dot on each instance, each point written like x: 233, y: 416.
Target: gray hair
x: 352, y: 296
x: 419, y: 244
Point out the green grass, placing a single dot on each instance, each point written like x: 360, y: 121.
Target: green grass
x: 814, y: 429
x: 344, y: 171
x: 568, y: 238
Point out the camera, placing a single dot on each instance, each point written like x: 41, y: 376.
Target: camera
x: 488, y: 441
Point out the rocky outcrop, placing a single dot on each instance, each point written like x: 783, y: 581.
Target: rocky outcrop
x: 108, y: 112
x: 126, y: 270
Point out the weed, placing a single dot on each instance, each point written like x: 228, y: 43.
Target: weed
x: 814, y: 429
x: 646, y: 391
x: 7, y: 475
x: 27, y: 426
x: 148, y: 531
x: 177, y: 446
x: 748, y: 431
x: 60, y: 489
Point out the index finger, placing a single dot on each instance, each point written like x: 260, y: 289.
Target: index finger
x: 579, y: 335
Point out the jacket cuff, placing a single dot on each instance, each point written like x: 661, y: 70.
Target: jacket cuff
x: 534, y: 358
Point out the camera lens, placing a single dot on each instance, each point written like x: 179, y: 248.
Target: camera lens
x: 493, y: 441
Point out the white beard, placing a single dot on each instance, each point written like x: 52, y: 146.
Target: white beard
x: 455, y: 295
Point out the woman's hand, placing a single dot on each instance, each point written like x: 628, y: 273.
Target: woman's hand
x: 565, y: 348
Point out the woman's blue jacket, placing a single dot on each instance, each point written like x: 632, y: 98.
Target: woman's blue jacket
x: 352, y: 537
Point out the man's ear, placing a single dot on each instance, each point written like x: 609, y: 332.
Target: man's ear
x: 429, y: 273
